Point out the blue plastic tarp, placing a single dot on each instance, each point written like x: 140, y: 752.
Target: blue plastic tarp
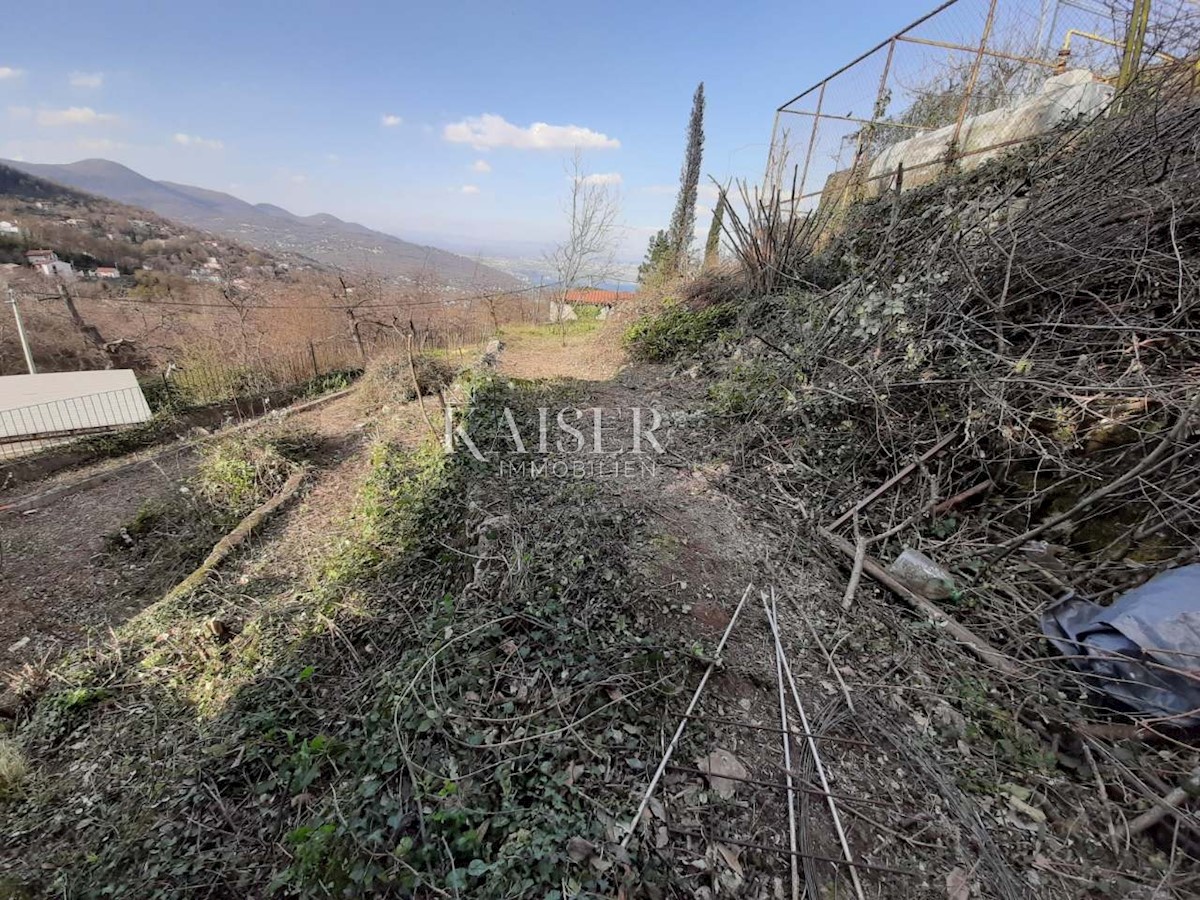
x: 1143, y: 650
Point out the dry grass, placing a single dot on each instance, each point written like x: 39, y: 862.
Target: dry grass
x: 12, y: 765
x: 388, y: 380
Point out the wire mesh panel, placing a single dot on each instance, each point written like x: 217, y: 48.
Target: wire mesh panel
x: 959, y: 86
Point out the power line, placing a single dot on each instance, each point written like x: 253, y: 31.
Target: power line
x: 399, y: 304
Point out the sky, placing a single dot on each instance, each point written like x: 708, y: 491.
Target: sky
x: 448, y: 122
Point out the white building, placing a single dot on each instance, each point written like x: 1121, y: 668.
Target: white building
x: 47, y: 263
x: 9, y: 228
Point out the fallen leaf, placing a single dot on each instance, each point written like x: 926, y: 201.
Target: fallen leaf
x: 1028, y: 811
x: 730, y: 856
x: 958, y: 884
x: 722, y: 766
x: 580, y: 849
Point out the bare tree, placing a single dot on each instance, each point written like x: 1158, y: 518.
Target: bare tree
x: 585, y: 256
x: 240, y: 299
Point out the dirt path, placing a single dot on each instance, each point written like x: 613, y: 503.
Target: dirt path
x: 59, y: 588
x: 880, y: 730
x: 590, y: 351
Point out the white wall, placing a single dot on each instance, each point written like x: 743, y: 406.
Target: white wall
x: 1061, y: 99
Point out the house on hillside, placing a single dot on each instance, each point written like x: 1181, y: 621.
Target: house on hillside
x: 107, y: 272
x: 47, y: 263
x: 9, y: 228
x: 605, y: 301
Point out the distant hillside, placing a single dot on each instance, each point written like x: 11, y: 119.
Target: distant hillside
x: 322, y: 237
x: 90, y: 231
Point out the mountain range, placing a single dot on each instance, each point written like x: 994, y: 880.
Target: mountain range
x: 322, y: 237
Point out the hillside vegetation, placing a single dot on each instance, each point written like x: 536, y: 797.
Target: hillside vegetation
x: 470, y: 690
x: 90, y: 231
x: 341, y: 245
x: 192, y: 298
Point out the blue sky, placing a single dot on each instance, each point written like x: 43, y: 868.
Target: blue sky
x: 286, y: 102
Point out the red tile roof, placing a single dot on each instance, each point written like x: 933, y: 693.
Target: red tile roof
x: 597, y: 297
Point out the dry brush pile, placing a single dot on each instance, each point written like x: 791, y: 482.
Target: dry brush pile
x: 1011, y: 355
x: 1043, y: 311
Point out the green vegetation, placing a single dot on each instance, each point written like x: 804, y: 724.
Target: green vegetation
x: 683, y: 219
x: 677, y: 331
x: 575, y: 327
x: 12, y: 766
x: 168, y: 537
x: 658, y: 251
x: 239, y: 473
x: 340, y: 730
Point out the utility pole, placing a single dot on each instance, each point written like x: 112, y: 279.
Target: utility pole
x: 12, y: 301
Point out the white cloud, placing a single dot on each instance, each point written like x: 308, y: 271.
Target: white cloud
x: 86, y: 79
x: 191, y: 140
x: 298, y: 179
x: 8, y: 73
x: 390, y: 121
x: 74, y: 115
x: 469, y: 189
x: 19, y: 112
x: 481, y: 165
x: 602, y: 178
x: 489, y: 131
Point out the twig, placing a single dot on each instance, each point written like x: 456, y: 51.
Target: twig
x: 1167, y: 804
x: 895, y: 479
x: 412, y: 369
x: 812, y: 745
x: 950, y: 502
x: 833, y: 668
x: 856, y: 571
x: 662, y: 766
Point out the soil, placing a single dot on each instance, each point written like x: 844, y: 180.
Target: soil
x: 60, y: 589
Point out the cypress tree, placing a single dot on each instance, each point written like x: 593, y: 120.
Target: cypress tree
x: 712, y: 245
x: 683, y: 220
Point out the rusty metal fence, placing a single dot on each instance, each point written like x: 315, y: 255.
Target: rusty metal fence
x: 961, y: 85
x: 316, y: 367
